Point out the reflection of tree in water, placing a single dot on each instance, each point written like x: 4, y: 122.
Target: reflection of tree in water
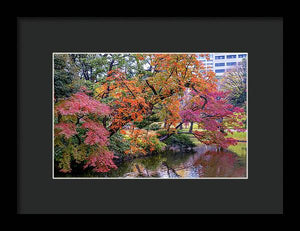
x: 176, y: 164
x: 144, y: 166
x: 174, y: 159
x: 121, y: 170
x: 152, y: 163
x: 219, y: 163
x: 170, y: 169
x: 153, y: 166
x: 147, y: 166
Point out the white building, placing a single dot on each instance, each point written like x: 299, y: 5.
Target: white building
x: 222, y: 62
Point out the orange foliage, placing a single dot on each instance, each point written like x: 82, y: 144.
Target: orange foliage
x: 171, y: 75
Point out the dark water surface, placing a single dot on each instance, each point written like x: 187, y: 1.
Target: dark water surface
x: 202, y: 161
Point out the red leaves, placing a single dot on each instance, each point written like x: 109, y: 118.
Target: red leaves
x: 67, y: 129
x: 96, y: 134
x: 82, y: 104
x: 214, y: 118
x: 81, y: 107
x: 101, y: 160
x: 214, y: 137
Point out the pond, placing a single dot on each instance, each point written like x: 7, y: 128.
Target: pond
x: 202, y: 161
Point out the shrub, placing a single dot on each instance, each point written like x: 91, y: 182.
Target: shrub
x: 118, y: 144
x: 155, y: 126
x: 182, y: 140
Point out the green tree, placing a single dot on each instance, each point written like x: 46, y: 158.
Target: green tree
x: 94, y: 67
x: 62, y: 78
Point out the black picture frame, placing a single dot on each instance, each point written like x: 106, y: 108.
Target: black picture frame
x: 261, y: 37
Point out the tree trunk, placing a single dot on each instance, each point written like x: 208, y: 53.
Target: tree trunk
x: 191, y: 127
x: 138, y: 168
x: 165, y: 124
x: 180, y: 127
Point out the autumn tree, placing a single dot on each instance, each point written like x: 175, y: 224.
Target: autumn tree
x: 158, y: 88
x: 215, y: 117
x: 80, y: 135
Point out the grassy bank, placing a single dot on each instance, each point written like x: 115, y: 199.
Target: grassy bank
x: 238, y: 135
x: 240, y: 149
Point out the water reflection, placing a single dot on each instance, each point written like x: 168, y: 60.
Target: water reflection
x: 219, y: 164
x: 203, y: 161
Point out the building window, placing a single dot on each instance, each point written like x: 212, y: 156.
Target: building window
x: 231, y: 64
x: 219, y: 64
x: 219, y: 57
x: 243, y: 56
x: 220, y: 71
x: 231, y: 56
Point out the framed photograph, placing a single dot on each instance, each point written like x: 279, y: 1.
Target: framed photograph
x: 191, y: 121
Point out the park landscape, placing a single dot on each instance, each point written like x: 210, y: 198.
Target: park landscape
x: 148, y: 116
